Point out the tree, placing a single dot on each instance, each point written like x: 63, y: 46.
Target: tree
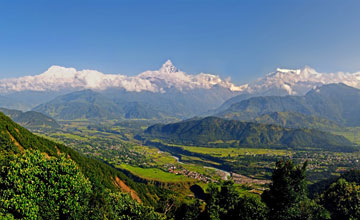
x: 224, y: 202
x: 33, y: 186
x: 287, y: 197
x: 123, y: 207
x: 342, y: 199
x: 191, y: 211
x: 249, y: 208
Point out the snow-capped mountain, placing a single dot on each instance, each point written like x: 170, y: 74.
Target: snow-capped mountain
x: 299, y: 81
x: 166, y: 88
x: 280, y: 82
x: 168, y: 76
x: 290, y: 82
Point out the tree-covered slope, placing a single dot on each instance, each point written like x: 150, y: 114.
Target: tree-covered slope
x: 216, y: 131
x: 120, y: 104
x: 251, y: 108
x: 88, y: 104
x: 296, y: 120
x: 337, y: 102
x: 16, y: 139
x: 30, y: 119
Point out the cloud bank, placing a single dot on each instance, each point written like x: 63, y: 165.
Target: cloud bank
x: 300, y: 81
x: 280, y: 82
x: 168, y: 76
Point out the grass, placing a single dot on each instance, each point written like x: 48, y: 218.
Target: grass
x: 225, y: 152
x: 191, y: 159
x: 230, y: 151
x: 200, y: 169
x: 73, y: 136
x: 351, y: 133
x: 50, y: 138
x: 155, y: 174
x: 160, y: 158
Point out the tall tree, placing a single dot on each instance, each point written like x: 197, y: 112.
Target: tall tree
x: 123, y: 207
x: 342, y: 199
x: 224, y: 202
x: 287, y: 196
x: 35, y: 186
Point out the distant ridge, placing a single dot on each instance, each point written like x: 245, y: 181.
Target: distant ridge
x: 296, y: 120
x: 117, y: 104
x: 168, y: 90
x: 30, y: 119
x: 89, y: 104
x: 336, y: 102
x: 212, y: 131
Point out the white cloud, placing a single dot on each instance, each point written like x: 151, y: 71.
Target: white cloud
x: 300, y: 81
x: 293, y: 82
x: 168, y: 76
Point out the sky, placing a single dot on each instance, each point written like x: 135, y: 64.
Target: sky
x: 243, y: 40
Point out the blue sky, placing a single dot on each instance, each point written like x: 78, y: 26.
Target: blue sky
x: 238, y: 39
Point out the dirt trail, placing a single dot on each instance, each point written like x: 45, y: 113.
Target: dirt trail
x: 57, y: 151
x: 17, y: 144
x: 126, y: 188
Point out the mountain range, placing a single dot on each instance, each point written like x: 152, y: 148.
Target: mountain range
x: 297, y: 120
x: 336, y: 102
x: 88, y: 104
x: 169, y: 93
x: 280, y: 82
x: 168, y: 88
x: 58, y: 78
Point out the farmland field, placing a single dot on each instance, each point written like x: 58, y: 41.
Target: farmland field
x: 154, y: 174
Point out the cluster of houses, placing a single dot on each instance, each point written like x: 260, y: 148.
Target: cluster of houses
x: 191, y: 174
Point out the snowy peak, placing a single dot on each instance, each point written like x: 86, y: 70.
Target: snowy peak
x: 168, y: 67
x: 59, y: 72
x: 300, y: 81
x: 281, y: 82
x: 168, y: 76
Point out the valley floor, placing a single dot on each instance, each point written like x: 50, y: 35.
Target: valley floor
x: 163, y: 163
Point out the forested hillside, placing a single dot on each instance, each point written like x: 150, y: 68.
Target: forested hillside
x: 212, y: 131
x: 16, y: 140
x: 297, y: 120
x: 88, y: 104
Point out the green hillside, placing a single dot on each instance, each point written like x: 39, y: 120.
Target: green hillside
x: 212, y: 131
x: 251, y: 108
x: 88, y: 104
x: 121, y: 104
x: 16, y: 139
x: 30, y: 119
x: 296, y: 120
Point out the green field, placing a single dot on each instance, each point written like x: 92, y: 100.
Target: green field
x: 351, y: 133
x: 73, y: 136
x: 154, y: 174
x: 224, y: 152
x: 197, y: 160
x: 114, y: 144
